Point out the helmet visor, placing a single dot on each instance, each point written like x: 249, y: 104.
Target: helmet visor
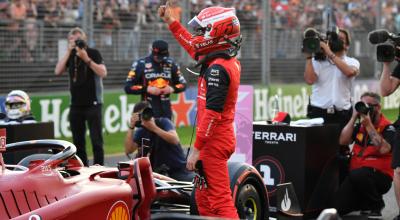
x: 197, y: 26
x: 15, y: 99
x: 195, y: 23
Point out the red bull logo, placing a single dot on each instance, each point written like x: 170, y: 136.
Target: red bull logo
x: 159, y: 83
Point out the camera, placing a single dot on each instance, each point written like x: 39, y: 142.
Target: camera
x: 146, y: 115
x: 363, y: 108
x: 80, y: 43
x: 312, y: 39
x: 386, y: 43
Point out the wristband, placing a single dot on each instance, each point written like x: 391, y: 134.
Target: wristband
x: 309, y: 58
x: 89, y: 62
x: 129, y: 126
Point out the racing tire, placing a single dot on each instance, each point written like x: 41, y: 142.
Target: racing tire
x: 248, y: 202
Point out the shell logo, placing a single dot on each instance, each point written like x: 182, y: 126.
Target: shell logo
x: 119, y: 211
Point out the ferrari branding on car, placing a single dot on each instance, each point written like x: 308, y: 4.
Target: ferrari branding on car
x: 46, y: 170
x: 119, y: 211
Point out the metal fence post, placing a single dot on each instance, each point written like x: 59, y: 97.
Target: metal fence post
x: 378, y: 25
x: 266, y: 44
x: 185, y: 19
x: 87, y: 20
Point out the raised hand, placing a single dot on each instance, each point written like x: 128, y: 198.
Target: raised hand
x: 164, y: 11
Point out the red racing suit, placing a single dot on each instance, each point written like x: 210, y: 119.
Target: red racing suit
x: 218, y: 86
x: 364, y: 154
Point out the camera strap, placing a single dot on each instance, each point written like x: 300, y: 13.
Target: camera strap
x: 144, y: 82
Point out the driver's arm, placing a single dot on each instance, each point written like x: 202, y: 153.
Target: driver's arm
x: 130, y: 145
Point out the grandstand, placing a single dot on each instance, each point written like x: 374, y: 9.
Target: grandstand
x: 31, y: 32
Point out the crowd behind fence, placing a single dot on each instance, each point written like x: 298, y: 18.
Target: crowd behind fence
x: 123, y: 32
x: 33, y: 42
x: 128, y: 14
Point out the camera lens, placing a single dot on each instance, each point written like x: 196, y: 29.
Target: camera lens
x: 362, y: 108
x: 147, y: 114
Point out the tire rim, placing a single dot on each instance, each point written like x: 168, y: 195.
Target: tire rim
x: 250, y: 209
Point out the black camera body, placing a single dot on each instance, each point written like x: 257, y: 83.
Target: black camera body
x: 146, y: 115
x: 312, y: 39
x: 363, y: 108
x: 386, y: 52
x: 387, y: 44
x: 80, y: 43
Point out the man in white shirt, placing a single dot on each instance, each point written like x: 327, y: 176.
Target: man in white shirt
x: 332, y: 81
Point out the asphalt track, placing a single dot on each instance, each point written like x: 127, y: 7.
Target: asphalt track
x: 389, y: 212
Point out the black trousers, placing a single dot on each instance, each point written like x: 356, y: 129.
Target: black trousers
x: 78, y: 117
x: 339, y: 117
x: 362, y: 189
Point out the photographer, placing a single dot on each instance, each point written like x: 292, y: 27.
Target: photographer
x: 165, y: 152
x: 370, y: 175
x: 389, y: 83
x: 86, y: 71
x: 155, y: 77
x: 332, y: 79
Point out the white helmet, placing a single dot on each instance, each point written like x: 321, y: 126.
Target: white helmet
x: 18, y: 104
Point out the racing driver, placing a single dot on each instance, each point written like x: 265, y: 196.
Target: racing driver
x: 214, y: 46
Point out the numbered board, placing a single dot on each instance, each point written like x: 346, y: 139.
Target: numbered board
x: 299, y: 155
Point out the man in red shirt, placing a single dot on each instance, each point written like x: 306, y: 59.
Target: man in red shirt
x: 370, y: 175
x: 214, y: 46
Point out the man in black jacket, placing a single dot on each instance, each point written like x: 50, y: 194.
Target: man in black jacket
x: 86, y: 71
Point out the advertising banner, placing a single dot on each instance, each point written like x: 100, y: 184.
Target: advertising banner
x: 292, y: 98
x: 244, y: 125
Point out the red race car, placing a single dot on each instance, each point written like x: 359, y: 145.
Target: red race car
x: 56, y: 185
